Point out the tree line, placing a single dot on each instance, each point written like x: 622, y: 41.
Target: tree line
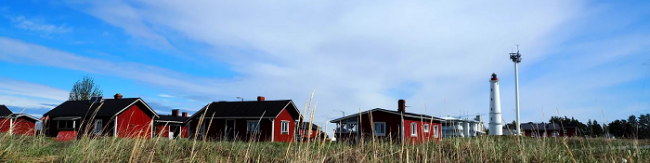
x: 632, y: 127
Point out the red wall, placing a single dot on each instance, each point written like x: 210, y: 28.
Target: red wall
x: 134, y: 122
x: 421, y: 135
x: 24, y: 126
x: 278, y: 136
x: 392, y: 125
x: 5, y: 125
x: 162, y: 130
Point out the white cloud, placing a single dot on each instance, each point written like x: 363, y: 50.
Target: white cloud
x: 30, y: 95
x: 37, y: 25
x: 166, y: 96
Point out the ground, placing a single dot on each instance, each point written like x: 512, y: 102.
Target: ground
x: 486, y: 149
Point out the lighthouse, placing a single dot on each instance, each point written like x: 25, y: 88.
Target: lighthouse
x: 495, y: 107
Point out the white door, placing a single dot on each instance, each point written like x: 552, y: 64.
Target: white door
x: 171, y: 132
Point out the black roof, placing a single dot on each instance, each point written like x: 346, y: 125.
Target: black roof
x: 246, y: 109
x: 4, y: 111
x: 406, y: 114
x: 110, y: 107
x: 172, y: 118
x: 305, y: 125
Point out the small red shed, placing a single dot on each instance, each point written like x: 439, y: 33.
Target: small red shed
x: 16, y: 124
x: 122, y: 117
x: 172, y: 126
x: 381, y: 123
x: 312, y: 134
x: 260, y: 120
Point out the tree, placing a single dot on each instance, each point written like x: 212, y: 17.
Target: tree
x: 644, y: 126
x: 632, y: 125
x: 84, y: 89
x: 596, y: 129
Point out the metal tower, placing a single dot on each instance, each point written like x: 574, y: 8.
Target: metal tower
x: 516, y: 58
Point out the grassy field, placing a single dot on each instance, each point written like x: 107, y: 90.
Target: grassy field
x: 486, y: 149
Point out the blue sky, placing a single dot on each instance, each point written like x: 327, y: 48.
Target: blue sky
x: 580, y: 58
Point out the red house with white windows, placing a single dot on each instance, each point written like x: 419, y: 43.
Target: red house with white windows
x: 397, y: 125
x: 260, y: 120
x: 16, y: 124
x: 172, y: 126
x: 122, y: 117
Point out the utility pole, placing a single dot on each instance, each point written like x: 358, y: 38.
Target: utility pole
x: 516, y: 58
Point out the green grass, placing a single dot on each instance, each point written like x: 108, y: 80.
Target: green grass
x: 486, y: 149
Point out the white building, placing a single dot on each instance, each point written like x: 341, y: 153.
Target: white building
x: 495, y: 107
x: 462, y: 127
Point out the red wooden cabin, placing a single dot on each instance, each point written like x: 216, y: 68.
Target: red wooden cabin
x: 172, y: 126
x: 16, y: 124
x: 261, y: 120
x: 304, y: 132
x: 548, y: 130
x: 122, y: 117
x: 398, y: 126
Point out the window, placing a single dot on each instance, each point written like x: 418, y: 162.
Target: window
x: 491, y: 99
x: 380, y: 128
x: 414, y: 129
x: 98, y: 126
x: 490, y: 89
x: 426, y: 128
x: 435, y: 131
x: 66, y: 124
x: 252, y: 126
x: 532, y: 134
x: 284, y: 127
x: 491, y: 109
x: 555, y: 134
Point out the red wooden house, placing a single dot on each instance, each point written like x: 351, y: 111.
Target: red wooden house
x: 260, y: 120
x: 16, y: 124
x: 399, y: 126
x: 304, y: 132
x: 548, y: 130
x: 172, y: 126
x: 122, y: 117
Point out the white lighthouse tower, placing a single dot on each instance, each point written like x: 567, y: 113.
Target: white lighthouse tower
x: 495, y: 107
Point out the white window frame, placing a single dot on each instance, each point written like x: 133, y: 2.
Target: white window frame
x: 379, y: 128
x: 284, y: 127
x: 414, y: 129
x: 99, y: 126
x: 248, y: 126
x: 435, y: 131
x: 426, y: 128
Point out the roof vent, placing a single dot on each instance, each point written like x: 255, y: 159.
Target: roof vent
x: 98, y: 99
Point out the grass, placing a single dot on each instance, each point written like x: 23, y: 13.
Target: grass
x: 485, y: 149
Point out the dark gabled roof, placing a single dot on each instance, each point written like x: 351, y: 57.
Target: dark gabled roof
x: 109, y: 107
x: 406, y: 114
x: 245, y: 109
x: 4, y: 111
x: 172, y: 118
x: 543, y: 126
x: 305, y: 126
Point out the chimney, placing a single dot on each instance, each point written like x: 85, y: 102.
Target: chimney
x: 260, y: 98
x: 175, y: 112
x: 117, y: 96
x: 401, y: 105
x: 184, y: 114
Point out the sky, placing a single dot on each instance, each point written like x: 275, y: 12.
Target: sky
x: 582, y: 59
